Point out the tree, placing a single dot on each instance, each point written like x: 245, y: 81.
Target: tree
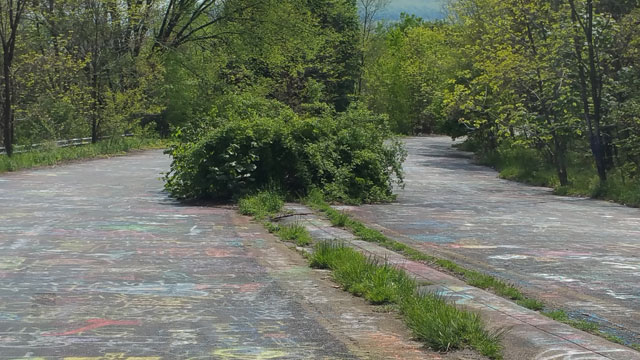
x: 192, y: 20
x: 11, y: 13
x: 369, y: 10
x: 590, y: 74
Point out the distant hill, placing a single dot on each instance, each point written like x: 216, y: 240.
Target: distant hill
x: 427, y: 9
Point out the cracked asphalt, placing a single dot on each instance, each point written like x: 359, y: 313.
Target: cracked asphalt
x: 578, y: 254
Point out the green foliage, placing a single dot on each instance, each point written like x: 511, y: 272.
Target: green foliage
x: 440, y: 325
x: 411, y: 63
x: 55, y: 155
x: 253, y: 143
x: 444, y: 327
x: 261, y: 204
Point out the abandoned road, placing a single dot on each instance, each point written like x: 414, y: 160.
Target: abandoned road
x: 577, y: 254
x: 96, y: 262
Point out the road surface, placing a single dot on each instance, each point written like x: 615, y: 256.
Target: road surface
x: 578, y: 254
x: 96, y: 262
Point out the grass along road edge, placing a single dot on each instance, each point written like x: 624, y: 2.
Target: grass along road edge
x: 315, y: 200
x: 59, y: 155
x: 433, y: 321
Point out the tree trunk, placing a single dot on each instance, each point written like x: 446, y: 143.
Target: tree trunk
x: 7, y: 108
x: 95, y: 112
x: 596, y: 95
x: 561, y: 161
x: 592, y: 85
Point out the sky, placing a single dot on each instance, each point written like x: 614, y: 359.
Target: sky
x: 426, y: 9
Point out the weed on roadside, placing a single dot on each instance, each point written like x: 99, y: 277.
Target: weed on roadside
x: 531, y: 304
x: 56, y: 155
x: 261, y: 204
x: 316, y: 201
x: 338, y: 219
x: 433, y: 321
x: 584, y: 325
x: 294, y: 232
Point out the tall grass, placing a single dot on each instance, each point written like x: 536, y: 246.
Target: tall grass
x: 55, y: 155
x: 433, y: 321
x: 294, y: 232
x: 261, y: 204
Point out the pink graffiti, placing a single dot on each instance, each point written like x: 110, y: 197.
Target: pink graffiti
x: 218, y: 253
x: 94, y: 324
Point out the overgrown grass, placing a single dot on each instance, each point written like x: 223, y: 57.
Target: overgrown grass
x: 316, y: 201
x: 433, y: 321
x: 261, y: 204
x: 55, y: 155
x: 532, y: 304
x: 267, y: 203
x: 294, y: 232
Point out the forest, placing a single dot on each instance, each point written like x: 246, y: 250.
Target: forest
x: 304, y: 94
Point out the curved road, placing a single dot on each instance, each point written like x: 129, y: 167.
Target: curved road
x: 578, y: 254
x: 97, y: 263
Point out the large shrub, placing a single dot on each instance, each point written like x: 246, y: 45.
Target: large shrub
x: 350, y: 156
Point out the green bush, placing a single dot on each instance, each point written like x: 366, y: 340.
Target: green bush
x: 348, y: 155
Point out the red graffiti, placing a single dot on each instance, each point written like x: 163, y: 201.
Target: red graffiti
x: 94, y: 324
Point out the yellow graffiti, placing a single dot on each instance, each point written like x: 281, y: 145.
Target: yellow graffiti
x: 248, y: 353
x: 114, y: 356
x: 10, y: 262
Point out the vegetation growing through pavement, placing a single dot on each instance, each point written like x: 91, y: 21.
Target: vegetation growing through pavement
x: 265, y: 204
x: 294, y: 232
x: 440, y: 325
x: 433, y: 321
x: 261, y: 204
x: 316, y: 201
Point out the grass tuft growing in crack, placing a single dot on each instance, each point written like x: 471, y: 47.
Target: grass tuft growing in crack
x: 433, y: 321
x: 532, y: 304
x: 261, y: 204
x: 584, y: 325
x: 294, y: 232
